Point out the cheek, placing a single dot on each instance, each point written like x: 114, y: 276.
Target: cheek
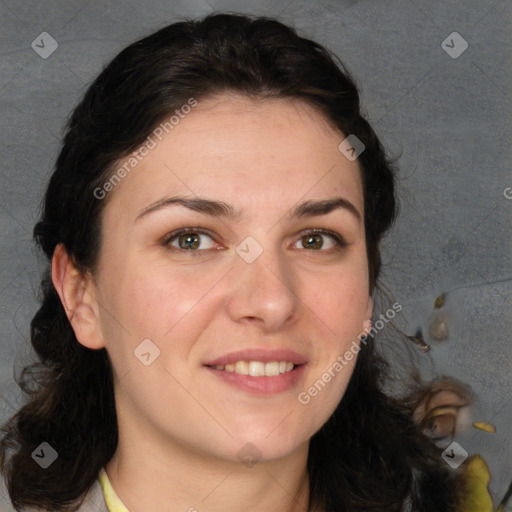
x: 324, y: 392
x: 156, y: 302
x: 170, y: 306
x: 340, y: 301
x: 341, y: 304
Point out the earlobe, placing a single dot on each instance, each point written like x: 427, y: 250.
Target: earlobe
x: 76, y: 292
x: 367, y: 323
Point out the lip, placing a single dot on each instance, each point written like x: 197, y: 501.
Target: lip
x: 259, y: 354
x: 265, y: 385
x: 261, y: 386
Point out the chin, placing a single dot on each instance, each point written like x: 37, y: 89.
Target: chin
x: 272, y: 441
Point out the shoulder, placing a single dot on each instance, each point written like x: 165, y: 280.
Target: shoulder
x: 93, y: 501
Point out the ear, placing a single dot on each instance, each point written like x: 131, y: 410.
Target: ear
x: 78, y: 296
x: 368, y: 315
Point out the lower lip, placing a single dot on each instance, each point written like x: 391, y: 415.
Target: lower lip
x: 262, y: 385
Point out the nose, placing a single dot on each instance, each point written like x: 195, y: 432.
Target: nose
x: 263, y: 292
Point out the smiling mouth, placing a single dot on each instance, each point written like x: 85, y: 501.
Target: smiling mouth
x: 257, y: 368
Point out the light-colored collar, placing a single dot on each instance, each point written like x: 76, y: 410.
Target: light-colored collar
x: 114, y: 504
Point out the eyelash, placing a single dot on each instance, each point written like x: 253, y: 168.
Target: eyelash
x: 339, y: 241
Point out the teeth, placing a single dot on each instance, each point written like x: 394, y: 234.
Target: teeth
x: 242, y: 367
x: 257, y: 368
x: 272, y: 369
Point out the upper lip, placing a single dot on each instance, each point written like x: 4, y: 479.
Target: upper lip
x: 264, y: 355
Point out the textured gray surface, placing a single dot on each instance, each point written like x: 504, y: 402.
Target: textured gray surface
x: 447, y: 119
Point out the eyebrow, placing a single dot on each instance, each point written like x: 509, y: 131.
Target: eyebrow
x: 221, y: 209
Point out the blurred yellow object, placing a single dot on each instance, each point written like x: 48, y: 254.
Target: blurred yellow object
x: 477, y: 498
x: 485, y: 426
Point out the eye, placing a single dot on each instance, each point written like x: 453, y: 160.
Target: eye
x: 314, y: 239
x: 189, y: 239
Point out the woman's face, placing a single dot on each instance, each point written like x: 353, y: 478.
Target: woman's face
x: 249, y: 288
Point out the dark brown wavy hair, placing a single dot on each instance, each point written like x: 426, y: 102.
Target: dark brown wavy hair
x: 369, y: 455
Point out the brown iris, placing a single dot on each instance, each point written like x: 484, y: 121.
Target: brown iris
x: 309, y: 238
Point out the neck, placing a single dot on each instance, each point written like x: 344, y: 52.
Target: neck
x: 149, y: 475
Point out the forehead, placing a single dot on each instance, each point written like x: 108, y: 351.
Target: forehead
x: 247, y: 152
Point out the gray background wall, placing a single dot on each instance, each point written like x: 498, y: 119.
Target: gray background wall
x: 447, y: 120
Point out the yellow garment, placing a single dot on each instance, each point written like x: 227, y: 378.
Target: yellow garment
x: 114, y: 504
x: 478, y: 498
